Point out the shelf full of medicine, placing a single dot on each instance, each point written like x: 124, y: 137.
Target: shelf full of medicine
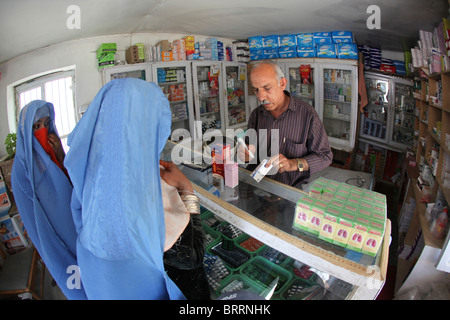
x: 330, y: 86
x: 388, y: 117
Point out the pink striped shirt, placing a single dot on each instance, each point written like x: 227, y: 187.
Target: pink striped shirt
x: 301, y: 135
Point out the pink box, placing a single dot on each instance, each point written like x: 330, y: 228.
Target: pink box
x: 231, y: 174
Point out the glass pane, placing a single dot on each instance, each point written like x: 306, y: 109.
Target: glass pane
x: 235, y: 97
x: 60, y: 93
x: 251, y: 265
x: 376, y: 112
x: 30, y: 95
x: 172, y: 81
x: 337, y: 103
x: 301, y: 83
x: 208, y: 94
x: 403, y: 131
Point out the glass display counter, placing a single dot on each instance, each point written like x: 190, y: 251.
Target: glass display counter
x: 265, y: 211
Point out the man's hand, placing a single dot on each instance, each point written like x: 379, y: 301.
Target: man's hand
x: 243, y: 154
x: 284, y: 164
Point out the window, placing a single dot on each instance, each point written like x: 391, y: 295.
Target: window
x: 57, y: 88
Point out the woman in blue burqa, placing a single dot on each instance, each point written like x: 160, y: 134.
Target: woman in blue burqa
x: 117, y: 205
x: 43, y: 192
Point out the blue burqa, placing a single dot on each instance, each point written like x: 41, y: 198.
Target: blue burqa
x: 43, y: 195
x: 113, y: 163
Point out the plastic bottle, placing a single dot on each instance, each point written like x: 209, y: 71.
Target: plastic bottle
x: 439, y: 224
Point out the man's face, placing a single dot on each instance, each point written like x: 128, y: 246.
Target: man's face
x: 267, y: 88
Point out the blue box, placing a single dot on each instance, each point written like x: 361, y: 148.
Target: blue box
x: 274, y: 55
x: 257, y: 51
x: 255, y: 42
x: 322, y: 37
x: 326, y: 50
x: 305, y: 39
x: 271, y: 41
x: 342, y: 37
x: 254, y: 56
x: 306, y: 52
x: 347, y: 51
x: 288, y: 40
x: 287, y: 52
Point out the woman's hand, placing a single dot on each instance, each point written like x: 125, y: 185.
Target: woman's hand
x: 55, y: 144
x: 174, y: 177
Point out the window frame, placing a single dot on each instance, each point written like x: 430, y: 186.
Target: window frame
x: 40, y: 81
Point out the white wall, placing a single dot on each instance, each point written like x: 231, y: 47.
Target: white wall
x: 79, y: 53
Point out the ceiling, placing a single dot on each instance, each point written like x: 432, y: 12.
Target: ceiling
x: 26, y: 25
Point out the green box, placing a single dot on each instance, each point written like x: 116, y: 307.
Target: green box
x: 329, y: 224
x: 106, y: 60
x: 302, y: 214
x: 106, y: 48
x: 373, y: 239
x: 344, y: 228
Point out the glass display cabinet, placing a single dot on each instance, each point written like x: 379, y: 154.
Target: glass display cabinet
x: 255, y: 221
x: 388, y: 117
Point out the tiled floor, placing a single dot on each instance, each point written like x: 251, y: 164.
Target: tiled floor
x: 51, y: 290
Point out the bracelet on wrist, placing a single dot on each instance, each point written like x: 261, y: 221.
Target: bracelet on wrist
x: 185, y: 191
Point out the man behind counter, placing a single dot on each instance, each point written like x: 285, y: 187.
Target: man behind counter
x: 303, y: 142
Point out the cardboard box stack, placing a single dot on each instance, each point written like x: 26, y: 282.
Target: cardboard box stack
x: 13, y: 236
x: 343, y: 214
x: 433, y: 48
x: 135, y: 54
x: 336, y: 44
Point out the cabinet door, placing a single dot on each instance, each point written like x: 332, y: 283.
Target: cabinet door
x: 402, y: 134
x: 339, y: 101
x: 374, y: 124
x: 208, y: 95
x: 302, y: 82
x: 139, y: 71
x: 235, y: 96
x: 175, y: 80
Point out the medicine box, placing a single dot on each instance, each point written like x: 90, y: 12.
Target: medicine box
x: 220, y: 153
x: 106, y: 48
x: 344, y: 215
x: 302, y: 214
x: 231, y: 174
x: 105, y: 60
